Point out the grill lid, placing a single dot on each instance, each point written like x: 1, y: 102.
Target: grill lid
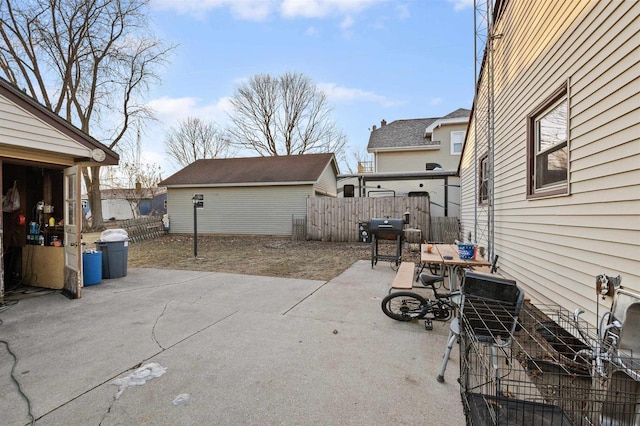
x: 386, y: 226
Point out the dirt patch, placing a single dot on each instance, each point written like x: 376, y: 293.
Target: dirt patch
x: 268, y: 256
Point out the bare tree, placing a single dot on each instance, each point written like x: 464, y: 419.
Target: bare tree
x: 283, y: 115
x: 362, y: 160
x: 86, y: 60
x: 193, y: 139
x: 133, y: 179
x: 143, y: 181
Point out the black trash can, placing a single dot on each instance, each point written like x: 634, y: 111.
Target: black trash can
x: 115, y: 252
x: 363, y: 232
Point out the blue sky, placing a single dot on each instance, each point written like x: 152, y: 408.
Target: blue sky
x: 375, y: 59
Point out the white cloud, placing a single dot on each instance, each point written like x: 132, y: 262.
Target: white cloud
x: 461, y: 4
x: 346, y: 94
x: 322, y: 8
x: 435, y: 101
x: 171, y: 110
x: 252, y: 10
x: 312, y: 32
x: 403, y: 11
x: 346, y: 23
x: 259, y: 10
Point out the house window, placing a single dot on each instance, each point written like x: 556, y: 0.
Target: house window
x: 348, y: 191
x: 457, y: 139
x: 483, y: 194
x: 547, y: 147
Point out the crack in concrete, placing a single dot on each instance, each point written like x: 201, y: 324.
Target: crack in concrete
x: 147, y: 287
x: 304, y: 298
x: 133, y: 368
x: 153, y: 330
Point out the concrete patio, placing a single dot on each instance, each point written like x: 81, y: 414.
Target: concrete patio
x: 245, y: 349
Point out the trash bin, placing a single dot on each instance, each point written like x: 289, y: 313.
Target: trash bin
x: 114, y: 245
x: 91, y: 267
x: 364, y: 235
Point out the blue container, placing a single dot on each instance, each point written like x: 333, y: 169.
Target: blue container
x: 92, y: 268
x: 466, y: 251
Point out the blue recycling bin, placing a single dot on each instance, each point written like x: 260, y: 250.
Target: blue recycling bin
x: 92, y: 268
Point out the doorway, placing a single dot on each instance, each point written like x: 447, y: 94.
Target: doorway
x: 33, y: 229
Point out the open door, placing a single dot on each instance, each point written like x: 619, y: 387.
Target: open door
x: 72, y: 229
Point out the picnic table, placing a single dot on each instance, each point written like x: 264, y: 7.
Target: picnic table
x: 447, y: 255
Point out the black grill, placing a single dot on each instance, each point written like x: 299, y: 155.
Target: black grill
x: 386, y: 229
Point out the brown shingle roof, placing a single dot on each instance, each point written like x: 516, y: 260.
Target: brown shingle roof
x: 254, y: 170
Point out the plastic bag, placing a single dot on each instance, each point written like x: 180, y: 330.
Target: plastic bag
x: 11, y: 201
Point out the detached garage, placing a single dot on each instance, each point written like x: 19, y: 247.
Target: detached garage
x: 42, y: 157
x: 251, y: 196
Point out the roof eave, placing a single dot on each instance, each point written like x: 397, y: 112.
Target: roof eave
x: 444, y: 122
x: 235, y: 184
x: 404, y: 148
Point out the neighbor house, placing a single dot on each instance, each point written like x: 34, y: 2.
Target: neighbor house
x: 130, y: 203
x: 565, y: 193
x: 254, y: 196
x: 414, y: 157
x: 41, y: 160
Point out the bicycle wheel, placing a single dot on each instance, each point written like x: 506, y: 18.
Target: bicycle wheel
x: 405, y: 306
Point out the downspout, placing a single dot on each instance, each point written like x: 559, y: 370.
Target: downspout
x: 446, y: 196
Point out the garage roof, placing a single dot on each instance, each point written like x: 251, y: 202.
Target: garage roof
x: 283, y: 169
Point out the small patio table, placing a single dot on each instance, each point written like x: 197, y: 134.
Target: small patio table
x: 437, y: 256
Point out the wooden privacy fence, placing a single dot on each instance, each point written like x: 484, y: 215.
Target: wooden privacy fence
x: 338, y: 219
x: 445, y: 230
x: 143, y: 228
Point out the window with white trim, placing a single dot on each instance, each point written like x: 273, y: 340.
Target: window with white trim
x: 457, y: 140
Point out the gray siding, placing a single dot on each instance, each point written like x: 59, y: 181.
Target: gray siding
x: 259, y: 210
x: 556, y: 246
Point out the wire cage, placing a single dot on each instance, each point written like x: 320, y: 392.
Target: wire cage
x: 545, y: 372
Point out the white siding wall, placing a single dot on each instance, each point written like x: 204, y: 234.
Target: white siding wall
x: 443, y: 135
x: 435, y: 188
x: 263, y: 210
x: 415, y: 161
x: 408, y: 161
x: 556, y: 246
x: 22, y: 129
x: 327, y: 183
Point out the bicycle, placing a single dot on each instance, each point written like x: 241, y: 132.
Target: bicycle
x: 407, y: 305
x: 604, y: 350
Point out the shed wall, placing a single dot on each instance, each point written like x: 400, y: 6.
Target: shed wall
x: 19, y: 128
x: 260, y: 210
